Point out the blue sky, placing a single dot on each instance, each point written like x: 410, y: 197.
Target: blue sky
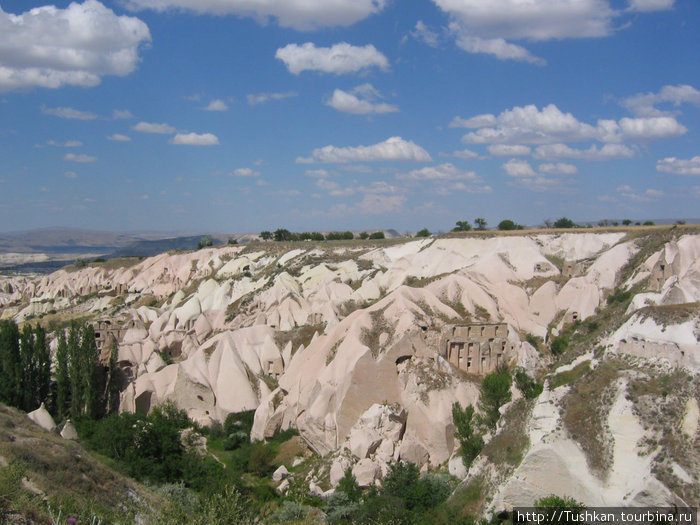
x: 245, y: 115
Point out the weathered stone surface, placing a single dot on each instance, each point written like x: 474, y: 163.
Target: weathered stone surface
x: 41, y: 417
x: 366, y: 472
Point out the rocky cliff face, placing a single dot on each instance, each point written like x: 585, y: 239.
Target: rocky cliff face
x: 352, y: 345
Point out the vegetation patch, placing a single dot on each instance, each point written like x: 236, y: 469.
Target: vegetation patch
x: 299, y: 335
x: 508, y: 447
x: 586, y: 409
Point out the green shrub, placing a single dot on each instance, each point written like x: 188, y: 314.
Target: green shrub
x: 533, y: 340
x: 290, y: 511
x: 564, y: 222
x: 377, y: 235
x: 529, y: 388
x: 495, y: 392
x: 470, y: 440
x: 425, y: 232
x: 559, y: 344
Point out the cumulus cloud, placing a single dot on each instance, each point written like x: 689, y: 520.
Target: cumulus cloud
x: 338, y: 59
x: 216, y: 105
x: 360, y: 101
x: 530, y: 125
x: 377, y: 204
x: 643, y: 104
x: 73, y: 157
x: 441, y: 172
x: 118, y: 137
x: 150, y: 127
x: 519, y: 168
x: 260, y: 98
x: 195, y: 139
x: 650, y: 5
x: 423, y: 33
x: 628, y: 192
x: 51, y: 47
x: 66, y: 144
x: 509, y: 150
x: 562, y: 151
x: 68, y: 113
x: 70, y: 175
x: 333, y: 188
x: 244, y: 172
x: 536, y: 20
x: 302, y: 15
x: 679, y: 166
x: 560, y: 168
x: 497, y: 47
x: 392, y: 149
x: 465, y: 154
x: 122, y: 114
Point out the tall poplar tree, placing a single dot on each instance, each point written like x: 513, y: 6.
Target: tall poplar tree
x: 42, y: 359
x: 63, y: 386
x: 10, y: 364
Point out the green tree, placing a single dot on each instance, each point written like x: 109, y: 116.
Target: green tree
x: 494, y: 393
x: 75, y: 370
x: 462, y: 226
x: 529, y: 388
x: 470, y: 440
x: 10, y: 364
x: 564, y: 222
x: 507, y: 225
x: 480, y: 223
x: 648, y: 223
x: 283, y: 235
x: 205, y: 242
x: 92, y: 373
x: 29, y: 372
x: 552, y: 507
x: 62, y: 378
x: 43, y: 365
x: 627, y: 222
x: 349, y: 486
x: 377, y: 235
x: 364, y: 236
x: 559, y: 344
x: 266, y: 235
x: 425, y: 232
x: 113, y: 377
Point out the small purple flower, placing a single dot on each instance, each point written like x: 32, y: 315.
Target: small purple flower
x: 72, y: 521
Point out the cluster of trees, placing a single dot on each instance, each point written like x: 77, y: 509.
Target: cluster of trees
x: 81, y: 386
x: 285, y: 235
x: 494, y: 393
x: 25, y: 366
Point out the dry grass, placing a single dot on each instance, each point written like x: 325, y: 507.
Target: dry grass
x: 508, y: 447
x: 299, y: 335
x: 671, y: 313
x: 70, y: 478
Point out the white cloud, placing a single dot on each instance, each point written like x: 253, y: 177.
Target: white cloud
x: 260, y: 98
x: 441, y: 172
x: 650, y: 5
x: 423, y: 33
x: 392, y: 149
x: 339, y: 59
x: 195, y: 139
x: 509, y: 150
x: 535, y: 20
x: 643, y: 104
x: 519, y: 168
x: 333, y: 188
x: 360, y: 101
x: 562, y: 151
x: 317, y: 174
x: 465, y: 154
x: 72, y: 157
x: 560, y: 168
x: 51, y: 47
x: 529, y: 125
x: 118, y: 137
x: 66, y: 144
x: 377, y: 204
x: 628, y: 192
x: 244, y: 172
x: 150, y: 127
x: 302, y: 15
x: 69, y: 113
x: 497, y: 47
x: 217, y: 105
x: 70, y: 175
x: 679, y: 166
x: 122, y: 114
